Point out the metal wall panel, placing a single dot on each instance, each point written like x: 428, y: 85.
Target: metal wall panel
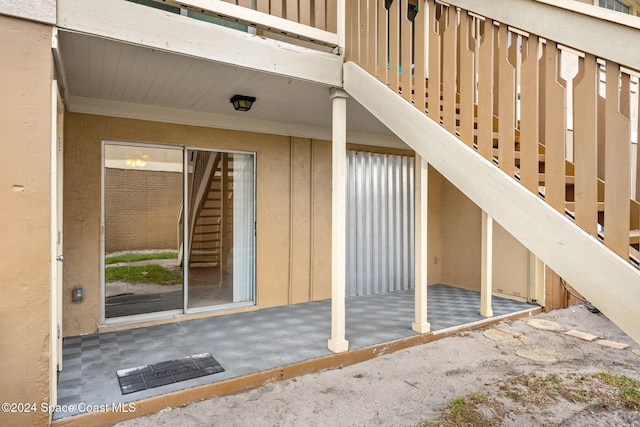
x: 379, y: 236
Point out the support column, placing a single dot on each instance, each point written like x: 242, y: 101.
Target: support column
x: 486, y: 265
x: 341, y: 25
x: 536, y: 280
x: 337, y: 342
x: 421, y: 205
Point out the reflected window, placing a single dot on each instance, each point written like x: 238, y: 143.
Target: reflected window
x: 159, y: 218
x: 143, y: 192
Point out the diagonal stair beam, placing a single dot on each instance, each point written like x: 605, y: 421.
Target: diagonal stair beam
x: 199, y: 198
x: 604, y: 278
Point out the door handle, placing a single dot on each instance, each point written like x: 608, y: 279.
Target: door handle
x: 60, y: 258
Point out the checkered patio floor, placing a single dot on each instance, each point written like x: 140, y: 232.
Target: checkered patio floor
x: 250, y: 342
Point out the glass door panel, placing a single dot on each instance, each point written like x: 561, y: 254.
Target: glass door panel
x: 221, y: 231
x: 143, y: 193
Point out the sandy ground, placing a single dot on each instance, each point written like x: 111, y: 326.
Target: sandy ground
x: 411, y: 386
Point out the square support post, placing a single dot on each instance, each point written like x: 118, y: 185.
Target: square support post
x: 486, y: 266
x: 337, y: 342
x: 421, y: 205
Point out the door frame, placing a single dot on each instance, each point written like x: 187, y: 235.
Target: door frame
x: 232, y: 305
x: 185, y: 310
x: 134, y: 318
x: 56, y: 230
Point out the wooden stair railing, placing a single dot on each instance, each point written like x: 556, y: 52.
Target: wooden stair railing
x: 502, y: 93
x: 204, y: 169
x: 213, y: 222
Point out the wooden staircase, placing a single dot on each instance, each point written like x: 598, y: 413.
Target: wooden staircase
x: 491, y: 119
x: 570, y: 193
x: 570, y: 179
x: 211, y: 210
x: 611, y: 283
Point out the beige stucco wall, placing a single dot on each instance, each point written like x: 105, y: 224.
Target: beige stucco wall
x: 293, y: 209
x: 461, y: 228
x: 25, y: 216
x: 460, y: 220
x: 434, y: 228
x: 510, y: 265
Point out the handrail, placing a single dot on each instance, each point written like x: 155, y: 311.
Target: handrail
x: 601, y: 32
x: 487, y: 73
x: 317, y: 26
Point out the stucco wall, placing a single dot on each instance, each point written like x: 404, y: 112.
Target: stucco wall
x: 293, y: 209
x: 461, y: 226
x: 510, y: 265
x: 461, y: 230
x: 25, y: 216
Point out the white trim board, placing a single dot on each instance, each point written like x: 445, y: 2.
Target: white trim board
x: 583, y: 27
x: 608, y: 281
x: 78, y: 104
x: 253, y: 18
x: 34, y: 10
x: 145, y: 26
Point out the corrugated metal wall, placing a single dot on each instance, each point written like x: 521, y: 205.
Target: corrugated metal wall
x: 379, y: 223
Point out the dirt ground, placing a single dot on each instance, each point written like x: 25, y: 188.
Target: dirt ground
x: 519, y: 373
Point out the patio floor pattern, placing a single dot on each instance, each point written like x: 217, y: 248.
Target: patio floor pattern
x: 245, y: 343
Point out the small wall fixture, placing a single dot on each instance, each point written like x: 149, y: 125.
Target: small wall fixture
x: 242, y: 103
x: 78, y: 293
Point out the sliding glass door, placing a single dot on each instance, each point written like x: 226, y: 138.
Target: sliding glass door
x: 143, y: 192
x: 221, y: 229
x: 167, y: 208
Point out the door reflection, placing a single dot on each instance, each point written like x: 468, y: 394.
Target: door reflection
x: 143, y: 193
x: 220, y: 229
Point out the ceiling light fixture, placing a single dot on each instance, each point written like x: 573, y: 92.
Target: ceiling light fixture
x: 242, y: 103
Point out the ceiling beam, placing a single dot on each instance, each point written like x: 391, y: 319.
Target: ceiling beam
x: 145, y: 26
x: 78, y: 104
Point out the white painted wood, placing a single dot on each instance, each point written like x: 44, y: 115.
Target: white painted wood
x: 594, y: 10
x: 55, y: 359
x: 571, y: 23
x: 36, y: 10
x: 220, y: 121
x: 486, y: 266
x: 60, y: 67
x: 576, y: 256
x: 421, y: 324
x: 243, y: 15
x: 337, y: 343
x: 144, y: 26
x: 536, y: 280
x: 341, y: 24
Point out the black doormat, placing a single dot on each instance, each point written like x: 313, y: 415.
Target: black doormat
x: 163, y: 373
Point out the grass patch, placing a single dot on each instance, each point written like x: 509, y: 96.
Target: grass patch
x: 462, y: 412
x: 136, y: 256
x: 528, y: 393
x: 151, y: 273
x: 626, y: 387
